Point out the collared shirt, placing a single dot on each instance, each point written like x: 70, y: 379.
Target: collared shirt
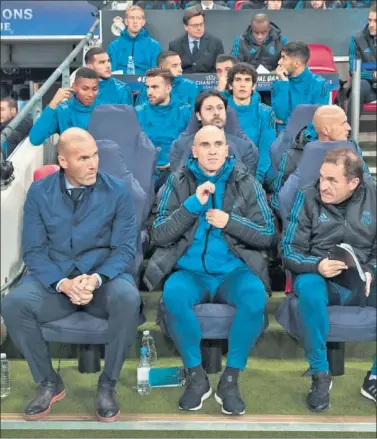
x: 191, y: 43
x: 70, y: 186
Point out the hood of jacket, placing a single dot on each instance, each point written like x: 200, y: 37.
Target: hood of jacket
x: 306, y: 135
x: 140, y: 36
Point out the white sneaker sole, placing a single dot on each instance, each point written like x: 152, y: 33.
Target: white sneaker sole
x: 367, y: 395
x: 220, y: 401
x: 204, y: 397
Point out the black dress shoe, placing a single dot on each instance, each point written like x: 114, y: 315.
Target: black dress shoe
x: 107, y: 406
x: 48, y: 392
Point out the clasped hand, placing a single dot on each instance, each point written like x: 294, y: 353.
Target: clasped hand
x: 80, y: 289
x: 215, y: 217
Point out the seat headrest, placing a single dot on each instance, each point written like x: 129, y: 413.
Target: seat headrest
x: 301, y: 116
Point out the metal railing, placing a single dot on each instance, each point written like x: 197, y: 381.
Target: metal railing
x: 355, y: 92
x: 34, y: 106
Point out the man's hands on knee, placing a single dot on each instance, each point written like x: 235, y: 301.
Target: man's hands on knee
x: 329, y: 268
x: 80, y: 289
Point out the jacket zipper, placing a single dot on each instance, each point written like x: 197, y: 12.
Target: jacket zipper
x: 206, y: 242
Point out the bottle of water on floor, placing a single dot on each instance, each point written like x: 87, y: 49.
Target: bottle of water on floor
x: 131, y: 66
x: 143, y: 386
x: 4, y: 375
x: 148, y: 342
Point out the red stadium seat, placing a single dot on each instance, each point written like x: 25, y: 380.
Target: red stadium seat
x: 239, y: 4
x: 322, y: 61
x: 44, y: 171
x: 371, y: 107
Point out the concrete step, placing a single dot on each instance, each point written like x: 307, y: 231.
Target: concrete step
x: 274, y: 343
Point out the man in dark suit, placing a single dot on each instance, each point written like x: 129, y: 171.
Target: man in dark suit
x: 197, y: 49
x: 78, y: 254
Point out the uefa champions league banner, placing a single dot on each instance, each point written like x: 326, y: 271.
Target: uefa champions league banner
x: 33, y: 19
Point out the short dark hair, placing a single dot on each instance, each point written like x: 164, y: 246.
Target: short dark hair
x: 165, y: 74
x: 11, y: 102
x: 353, y: 166
x: 260, y: 18
x: 190, y: 13
x: 207, y: 94
x: 165, y: 55
x: 85, y: 72
x: 243, y: 68
x: 91, y: 53
x: 297, y: 49
x: 225, y: 58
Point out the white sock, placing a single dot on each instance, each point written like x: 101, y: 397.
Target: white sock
x: 372, y: 377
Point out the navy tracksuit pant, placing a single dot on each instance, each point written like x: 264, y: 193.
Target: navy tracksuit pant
x: 241, y: 289
x: 315, y: 293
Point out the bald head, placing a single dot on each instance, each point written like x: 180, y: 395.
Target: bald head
x: 78, y: 157
x: 209, y: 131
x: 260, y: 18
x: 330, y: 122
x: 71, y: 138
x: 210, y: 149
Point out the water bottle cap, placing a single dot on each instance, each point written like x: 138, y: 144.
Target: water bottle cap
x: 146, y: 332
x: 144, y: 351
x: 3, y: 356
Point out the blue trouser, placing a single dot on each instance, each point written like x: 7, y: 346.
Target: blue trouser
x: 315, y: 293
x: 241, y: 289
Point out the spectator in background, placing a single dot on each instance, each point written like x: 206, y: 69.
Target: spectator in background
x: 163, y: 119
x: 223, y: 64
x: 208, y: 6
x: 339, y: 207
x: 197, y: 49
x: 260, y: 44
x: 157, y: 4
x: 296, y: 84
x: 183, y: 89
x: 70, y: 107
x: 319, y: 4
x: 134, y: 41
x: 357, y: 4
x: 8, y: 110
x: 111, y: 91
x: 273, y: 5
x: 256, y: 119
x: 211, y: 109
x: 211, y: 227
x: 364, y: 46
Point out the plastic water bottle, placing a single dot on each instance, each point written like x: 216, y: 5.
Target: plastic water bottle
x: 148, y: 342
x: 131, y: 66
x: 143, y: 386
x: 4, y: 375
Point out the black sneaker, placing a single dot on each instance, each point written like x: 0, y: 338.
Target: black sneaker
x: 196, y: 391
x: 318, y: 399
x: 48, y: 392
x: 228, y: 395
x: 369, y: 388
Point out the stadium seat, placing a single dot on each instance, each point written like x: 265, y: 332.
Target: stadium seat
x: 44, y: 171
x: 301, y: 116
x: 370, y: 107
x: 81, y: 328
x: 347, y: 323
x: 215, y: 320
x: 239, y: 4
x: 322, y: 61
x: 119, y: 124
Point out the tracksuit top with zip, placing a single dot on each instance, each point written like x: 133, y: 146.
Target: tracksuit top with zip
x: 209, y: 253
